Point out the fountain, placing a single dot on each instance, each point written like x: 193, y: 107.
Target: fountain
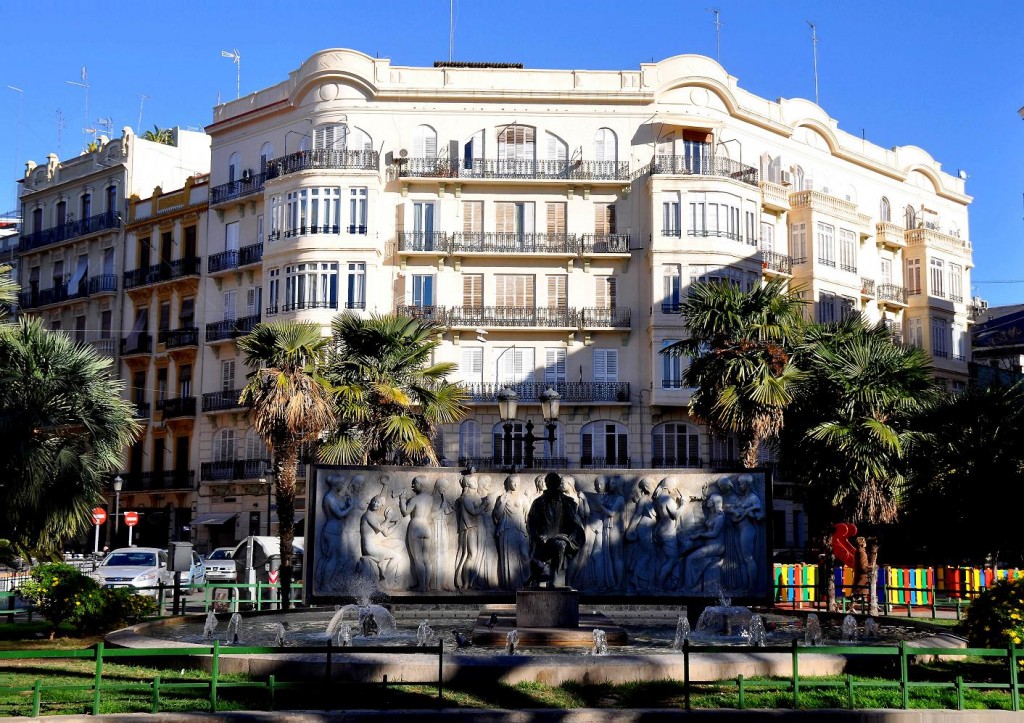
x: 870, y: 629
x: 600, y: 642
x: 849, y: 628
x: 210, y: 626
x: 279, y: 635
x: 235, y: 629
x: 425, y: 635
x: 511, y: 641
x: 813, y: 634
x: 682, y: 632
x: 755, y: 632
x: 723, y: 622
x: 374, y: 621
x: 344, y: 635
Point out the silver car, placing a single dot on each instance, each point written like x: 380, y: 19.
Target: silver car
x: 139, y: 567
x: 220, y: 567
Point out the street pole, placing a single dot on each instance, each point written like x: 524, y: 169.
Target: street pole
x: 96, y: 544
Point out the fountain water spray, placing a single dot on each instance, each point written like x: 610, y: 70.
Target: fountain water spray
x: 849, y: 628
x: 755, y: 632
x: 813, y: 634
x: 210, y: 626
x: 425, y: 634
x: 512, y: 641
x: 682, y: 633
x: 279, y: 635
x: 235, y: 629
x: 600, y: 642
x: 870, y: 628
x: 345, y: 635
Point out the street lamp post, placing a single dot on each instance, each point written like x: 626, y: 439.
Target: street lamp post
x: 118, y: 484
x: 508, y: 406
x: 264, y: 481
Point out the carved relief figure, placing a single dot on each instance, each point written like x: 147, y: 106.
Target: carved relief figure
x: 704, y: 564
x: 640, y: 549
x: 555, y: 532
x: 747, y: 512
x: 510, y: 530
x: 336, y: 506
x: 417, y: 505
x: 378, y: 546
x: 487, y: 564
x: 668, y: 506
x: 591, y: 570
x: 467, y: 514
x: 350, y: 536
x: 614, y: 506
x: 442, y: 567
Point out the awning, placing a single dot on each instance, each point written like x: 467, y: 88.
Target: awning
x: 299, y: 517
x: 215, y: 519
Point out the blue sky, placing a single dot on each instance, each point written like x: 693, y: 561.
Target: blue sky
x: 943, y: 75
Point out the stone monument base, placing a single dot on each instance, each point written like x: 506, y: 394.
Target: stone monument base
x: 505, y: 619
x: 553, y: 607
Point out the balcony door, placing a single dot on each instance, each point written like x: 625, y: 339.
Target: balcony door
x: 423, y: 225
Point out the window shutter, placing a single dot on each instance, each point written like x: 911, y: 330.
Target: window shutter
x: 469, y: 439
x: 471, y: 366
x: 557, y: 291
x: 554, y: 366
x: 658, y: 443
x: 227, y: 368
x: 529, y: 222
x: 250, y: 301
x: 587, y: 448
x: 505, y: 217
x: 606, y: 365
x: 558, y: 150
x: 472, y: 290
x: 229, y: 304
x: 622, y: 442
x: 556, y: 218
x: 473, y: 216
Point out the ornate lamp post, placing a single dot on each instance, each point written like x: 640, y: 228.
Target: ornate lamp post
x: 118, y: 484
x: 508, y: 406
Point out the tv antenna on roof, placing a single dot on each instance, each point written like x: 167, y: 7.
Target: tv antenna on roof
x: 814, y: 44
x: 236, y: 58
x: 84, y: 84
x: 106, y: 124
x: 142, y: 102
x: 718, y: 34
x: 61, y: 123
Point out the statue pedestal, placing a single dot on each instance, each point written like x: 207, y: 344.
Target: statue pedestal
x: 548, y: 608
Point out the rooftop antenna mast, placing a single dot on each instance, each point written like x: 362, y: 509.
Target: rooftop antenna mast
x: 236, y: 58
x: 106, y: 124
x: 84, y: 84
x: 61, y: 124
x: 142, y: 103
x: 451, y: 30
x: 814, y: 45
x: 718, y: 33
x: 17, y: 143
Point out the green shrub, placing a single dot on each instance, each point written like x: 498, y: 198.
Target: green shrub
x: 62, y: 594
x: 122, y: 607
x: 996, y: 617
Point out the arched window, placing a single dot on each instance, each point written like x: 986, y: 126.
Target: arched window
x: 557, y: 149
x: 884, y: 211
x: 233, y: 167
x: 606, y: 146
x: 469, y: 441
x: 516, y: 143
x: 723, y: 452
x: 910, y: 217
x: 675, y: 444
x: 799, y: 179
x: 255, y: 447
x: 424, y: 142
x: 330, y: 137
x: 359, y: 140
x: 504, y: 456
x: 604, y: 444
x: 224, y: 445
x: 266, y: 153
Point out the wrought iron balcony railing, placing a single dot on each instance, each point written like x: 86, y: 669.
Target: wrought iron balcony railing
x: 173, y: 479
x: 323, y: 158
x: 175, y: 338
x: 233, y: 469
x: 690, y: 462
x: 704, y: 166
x: 177, y: 407
x: 774, y: 261
x: 297, y: 305
x: 867, y: 286
x: 141, y: 343
x: 608, y: 462
x: 166, y: 271
x: 231, y: 328
x: 141, y: 410
x: 512, y: 243
x: 671, y: 306
x: 69, y: 230
x: 218, y: 401
x: 572, y: 170
x: 892, y: 292
x: 103, y: 284
x: 604, y: 243
x: 518, y: 460
x: 616, y: 318
x: 511, y: 316
x: 569, y: 392
x: 430, y: 313
x: 239, y: 188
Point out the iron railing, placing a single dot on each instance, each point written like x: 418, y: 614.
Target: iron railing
x: 511, y: 316
x: 524, y: 168
x: 867, y: 286
x: 703, y: 166
x: 177, y: 407
x: 892, y: 292
x: 518, y: 460
x: 141, y: 343
x: 231, y: 328
x: 297, y: 305
x: 174, y: 338
x: 239, y: 188
x: 103, y: 284
x: 234, y: 469
x: 671, y: 306
x: 166, y: 271
x: 618, y: 318
x: 513, y: 243
x: 604, y: 243
x: 159, y: 480
x: 69, y: 230
x: 774, y: 261
x: 226, y: 399
x: 610, y: 462
x: 428, y: 312
x: 569, y: 392
x: 323, y: 158
x: 141, y: 409
x: 688, y: 462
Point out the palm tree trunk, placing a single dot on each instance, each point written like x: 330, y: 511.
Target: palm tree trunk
x: 748, y: 452
x: 873, y: 577
x: 285, y: 492
x: 830, y: 578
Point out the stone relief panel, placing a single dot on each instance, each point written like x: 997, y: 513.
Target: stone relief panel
x: 439, y: 530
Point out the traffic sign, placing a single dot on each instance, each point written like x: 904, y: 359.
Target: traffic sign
x: 99, y: 515
x: 272, y: 576
x: 131, y: 518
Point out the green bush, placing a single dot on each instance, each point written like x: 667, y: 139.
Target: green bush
x: 121, y: 607
x: 62, y: 594
x: 996, y: 617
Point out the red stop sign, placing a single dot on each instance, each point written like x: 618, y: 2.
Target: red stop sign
x: 131, y: 518
x: 99, y: 515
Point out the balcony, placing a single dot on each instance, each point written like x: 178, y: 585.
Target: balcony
x: 103, y: 347
x: 512, y: 169
x: 715, y: 166
x: 774, y: 263
x: 323, y: 159
x: 671, y: 306
x: 489, y: 242
x: 177, y: 338
x: 518, y: 461
x: 890, y: 236
x: 240, y: 188
x: 611, y: 462
x: 166, y: 271
x: 231, y: 328
x: 867, y: 288
x: 604, y: 243
x: 891, y: 294
x: 233, y: 470
x: 177, y: 407
x: 229, y: 260
x: 141, y: 409
x: 677, y: 462
x: 159, y: 480
x: 103, y: 284
x: 140, y: 343
x: 570, y: 392
x: 432, y: 313
x: 219, y: 401
x: 300, y: 305
x: 605, y: 318
x: 69, y: 230
x: 510, y: 316
x: 935, y: 239
x: 774, y: 196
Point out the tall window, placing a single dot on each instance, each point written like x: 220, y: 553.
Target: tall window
x: 935, y: 278
x: 515, y: 290
x: 514, y: 365
x: 910, y: 217
x: 231, y: 237
x: 234, y: 171
x: 606, y: 365
x: 672, y: 284
x: 62, y: 213
x: 767, y: 236
x: 557, y: 288
x: 273, y: 290
x: 471, y: 365
x: 277, y: 218
x: 85, y: 207
x: 357, y: 200
x: 959, y: 342
x: 356, y: 298
x: 423, y: 225
x: 940, y: 338
x: 716, y: 216
x: 886, y: 267
x: 227, y: 375
x: 472, y: 218
x: 915, y: 333
x: 557, y: 149
x: 798, y: 242
x: 605, y: 146
x: 604, y: 218
x: 671, y: 367
x: 111, y: 199
x: 828, y: 307
x: 751, y: 238
x: 473, y: 290
x: 516, y: 143
x: 884, y: 212
x: 424, y: 142
x: 311, y: 285
x: 604, y: 287
x: 266, y: 153
x: 331, y: 137
x: 847, y: 250
x: 423, y: 290
x: 674, y: 444
x: 554, y: 365
x: 514, y: 218
x: 826, y: 243
x: 255, y: 447
x: 956, y: 283
x: 469, y: 440
x: 913, y: 276
x: 604, y: 443
x: 224, y: 446
x: 556, y: 218
x: 670, y: 218
x: 185, y: 381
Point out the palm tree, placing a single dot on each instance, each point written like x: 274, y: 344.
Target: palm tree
x: 289, y: 406
x: 64, y: 426
x: 159, y: 135
x: 854, y: 421
x: 8, y: 290
x: 740, y: 367
x: 391, y: 397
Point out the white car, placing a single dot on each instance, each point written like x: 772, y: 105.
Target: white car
x: 139, y: 567
x: 196, y: 573
x: 220, y: 566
